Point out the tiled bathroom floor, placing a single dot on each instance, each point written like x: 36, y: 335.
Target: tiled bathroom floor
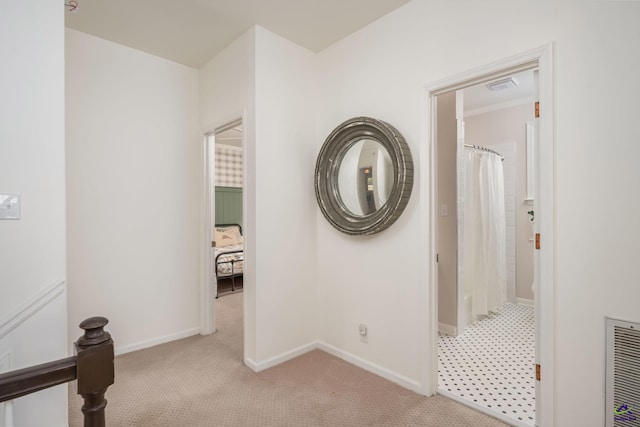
x: 492, y: 363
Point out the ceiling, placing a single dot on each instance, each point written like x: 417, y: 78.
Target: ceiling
x: 232, y: 136
x: 192, y: 32
x: 478, y: 98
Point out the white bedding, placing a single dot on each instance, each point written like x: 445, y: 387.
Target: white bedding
x: 224, y: 268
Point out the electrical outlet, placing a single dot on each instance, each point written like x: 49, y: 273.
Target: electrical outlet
x: 362, y: 329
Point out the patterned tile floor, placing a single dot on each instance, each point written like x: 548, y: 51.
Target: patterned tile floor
x: 492, y: 363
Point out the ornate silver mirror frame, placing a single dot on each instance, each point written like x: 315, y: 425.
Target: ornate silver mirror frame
x: 330, y: 158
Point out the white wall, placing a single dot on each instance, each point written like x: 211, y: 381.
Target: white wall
x: 272, y: 82
x: 447, y: 139
x: 227, y: 92
x: 32, y: 249
x: 285, y: 150
x: 379, y: 71
x: 133, y: 191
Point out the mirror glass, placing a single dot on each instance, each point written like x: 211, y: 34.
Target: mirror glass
x: 365, y: 177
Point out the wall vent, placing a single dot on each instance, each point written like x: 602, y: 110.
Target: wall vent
x: 622, y: 374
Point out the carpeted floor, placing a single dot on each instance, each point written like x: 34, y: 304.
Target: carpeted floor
x: 201, y: 381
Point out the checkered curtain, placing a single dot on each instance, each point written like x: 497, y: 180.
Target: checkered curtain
x: 228, y: 167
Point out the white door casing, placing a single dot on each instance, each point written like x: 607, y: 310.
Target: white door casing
x: 541, y: 59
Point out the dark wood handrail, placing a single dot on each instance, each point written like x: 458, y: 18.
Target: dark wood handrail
x: 25, y: 381
x: 92, y: 366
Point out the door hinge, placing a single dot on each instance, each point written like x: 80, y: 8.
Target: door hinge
x: 537, y: 109
x: 537, y: 371
x: 213, y: 244
x: 537, y: 240
x: 437, y: 257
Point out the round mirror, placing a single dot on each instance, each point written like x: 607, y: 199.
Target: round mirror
x: 364, y: 176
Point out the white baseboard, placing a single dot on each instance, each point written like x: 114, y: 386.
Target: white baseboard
x: 32, y: 306
x: 281, y: 358
x: 447, y: 329
x: 156, y: 341
x: 372, y: 367
x: 524, y: 301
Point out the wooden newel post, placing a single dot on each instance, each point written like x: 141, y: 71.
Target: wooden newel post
x: 95, y: 369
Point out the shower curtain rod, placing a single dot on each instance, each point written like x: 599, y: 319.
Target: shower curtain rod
x: 478, y: 147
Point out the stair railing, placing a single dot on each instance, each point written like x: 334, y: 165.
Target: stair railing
x: 92, y: 366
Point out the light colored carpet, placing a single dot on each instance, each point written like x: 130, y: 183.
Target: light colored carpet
x: 201, y: 381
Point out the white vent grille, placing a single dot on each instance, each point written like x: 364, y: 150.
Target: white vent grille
x: 623, y: 374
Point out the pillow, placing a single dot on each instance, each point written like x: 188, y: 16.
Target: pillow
x: 227, y: 236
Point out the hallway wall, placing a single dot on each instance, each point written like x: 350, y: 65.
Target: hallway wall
x: 133, y: 192
x: 32, y: 249
x: 273, y: 82
x: 380, y: 71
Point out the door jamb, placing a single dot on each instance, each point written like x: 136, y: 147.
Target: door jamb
x: 545, y: 201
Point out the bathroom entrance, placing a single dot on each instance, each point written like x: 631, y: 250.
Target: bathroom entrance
x: 485, y: 246
x: 484, y: 219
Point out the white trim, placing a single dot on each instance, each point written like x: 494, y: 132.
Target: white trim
x: 524, y: 301
x: 5, y: 362
x: 545, y: 204
x: 281, y: 358
x: 7, y: 407
x: 156, y: 341
x: 371, y: 367
x: 447, y: 329
x: 499, y: 106
x: 428, y: 272
x: 207, y: 291
x: 545, y: 303
x: 31, y: 307
x: 344, y: 355
x: 495, y: 414
x: 530, y: 127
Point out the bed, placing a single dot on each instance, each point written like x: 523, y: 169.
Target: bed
x: 228, y: 253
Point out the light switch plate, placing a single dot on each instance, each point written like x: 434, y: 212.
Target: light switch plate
x: 9, y: 206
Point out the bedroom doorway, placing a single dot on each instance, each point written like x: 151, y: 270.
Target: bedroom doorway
x: 222, y: 299
x: 228, y: 261
x: 543, y: 183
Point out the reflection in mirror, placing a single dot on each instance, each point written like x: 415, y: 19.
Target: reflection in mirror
x: 365, y: 177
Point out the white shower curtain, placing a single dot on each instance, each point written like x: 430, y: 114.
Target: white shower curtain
x: 485, y: 269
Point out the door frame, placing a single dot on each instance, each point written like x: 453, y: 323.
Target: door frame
x: 544, y: 270
x: 207, y: 285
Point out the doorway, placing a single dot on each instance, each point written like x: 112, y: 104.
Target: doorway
x: 485, y: 247
x: 224, y: 220
x: 539, y: 59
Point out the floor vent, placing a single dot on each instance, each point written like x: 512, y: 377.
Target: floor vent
x: 623, y: 374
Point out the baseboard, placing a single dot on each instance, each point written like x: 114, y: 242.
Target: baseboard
x: 371, y: 367
x: 281, y: 358
x: 482, y: 409
x: 156, y: 341
x: 524, y: 301
x: 31, y: 307
x: 447, y: 329
x: 387, y: 374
